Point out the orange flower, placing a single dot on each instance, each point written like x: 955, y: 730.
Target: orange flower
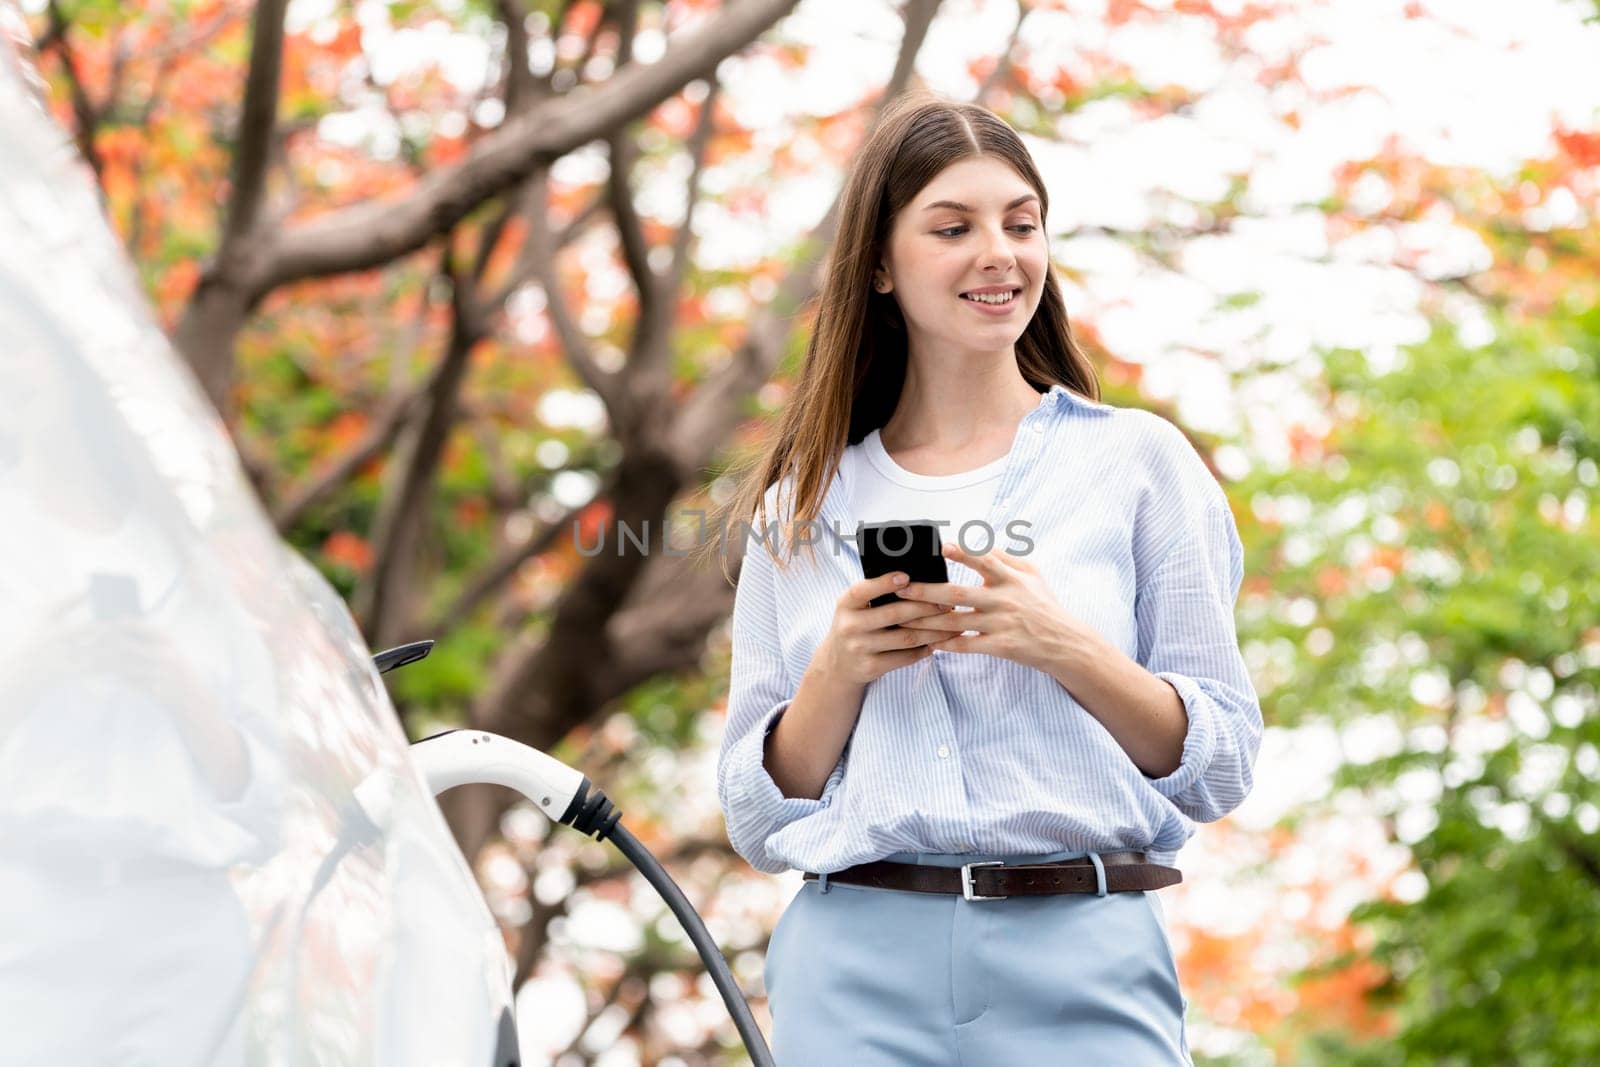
x: 348, y: 550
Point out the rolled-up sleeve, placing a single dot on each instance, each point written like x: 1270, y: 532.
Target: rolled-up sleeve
x: 759, y: 692
x: 1184, y: 612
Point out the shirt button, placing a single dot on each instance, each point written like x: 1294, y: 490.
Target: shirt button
x: 965, y: 846
x: 944, y: 751
x: 1038, y: 427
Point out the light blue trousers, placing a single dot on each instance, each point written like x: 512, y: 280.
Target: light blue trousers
x: 893, y: 978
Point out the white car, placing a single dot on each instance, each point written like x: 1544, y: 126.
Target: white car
x: 214, y: 848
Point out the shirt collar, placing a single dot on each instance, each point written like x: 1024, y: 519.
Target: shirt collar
x: 1058, y: 398
x: 1063, y: 399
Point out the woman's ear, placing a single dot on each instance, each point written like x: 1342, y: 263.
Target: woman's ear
x: 880, y: 280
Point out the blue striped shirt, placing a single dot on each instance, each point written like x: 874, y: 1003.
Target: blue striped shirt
x: 966, y: 752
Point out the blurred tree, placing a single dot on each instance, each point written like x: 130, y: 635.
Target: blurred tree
x: 1434, y: 567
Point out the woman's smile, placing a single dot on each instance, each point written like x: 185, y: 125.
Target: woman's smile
x: 994, y: 305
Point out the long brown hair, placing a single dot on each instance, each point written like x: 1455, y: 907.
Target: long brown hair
x: 855, y: 363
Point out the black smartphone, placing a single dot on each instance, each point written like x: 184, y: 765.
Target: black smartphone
x: 912, y: 547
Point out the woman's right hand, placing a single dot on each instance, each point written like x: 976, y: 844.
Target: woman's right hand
x: 862, y: 645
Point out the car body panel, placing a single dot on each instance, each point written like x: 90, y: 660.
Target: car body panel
x: 213, y: 846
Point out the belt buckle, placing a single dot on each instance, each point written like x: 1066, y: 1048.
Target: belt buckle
x: 966, y: 879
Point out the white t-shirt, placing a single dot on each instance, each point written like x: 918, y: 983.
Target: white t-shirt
x: 884, y: 491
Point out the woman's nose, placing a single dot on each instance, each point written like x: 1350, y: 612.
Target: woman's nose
x: 996, y: 250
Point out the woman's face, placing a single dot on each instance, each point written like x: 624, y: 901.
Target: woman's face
x: 937, y: 252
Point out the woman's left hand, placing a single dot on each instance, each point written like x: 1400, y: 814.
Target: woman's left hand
x: 1014, y: 613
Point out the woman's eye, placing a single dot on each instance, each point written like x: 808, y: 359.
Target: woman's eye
x: 1026, y: 228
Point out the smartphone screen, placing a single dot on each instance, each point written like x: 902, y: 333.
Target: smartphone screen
x: 912, y: 547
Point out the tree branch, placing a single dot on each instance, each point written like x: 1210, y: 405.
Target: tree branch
x: 256, y: 121
x: 379, y: 436
x: 381, y: 601
x: 533, y: 255
x: 1003, y: 65
x: 539, y: 260
x: 505, y: 488
x: 375, y: 233
x: 715, y: 407
x: 398, y: 412
x: 623, y: 153
x: 1584, y: 860
x: 489, y: 580
x: 699, y: 144
x: 85, y: 113
x: 668, y: 637
x: 520, y: 86
x: 594, y: 38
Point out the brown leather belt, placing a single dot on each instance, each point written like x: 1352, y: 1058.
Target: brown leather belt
x: 1125, y: 872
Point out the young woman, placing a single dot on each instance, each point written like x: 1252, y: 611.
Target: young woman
x: 987, y: 780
